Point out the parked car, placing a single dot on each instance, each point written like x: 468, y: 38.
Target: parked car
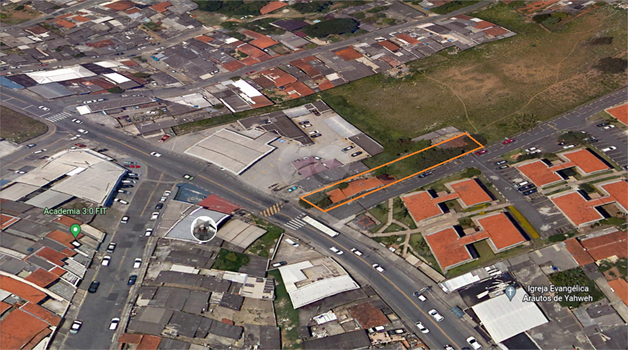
x: 336, y: 250
x: 500, y: 162
x: 482, y: 151
x: 77, y: 121
x: 106, y: 260
x: 529, y: 192
x: 314, y: 132
x: 93, y: 287
x: 291, y: 242
x: 121, y: 201
x: 167, y: 193
x: 425, y: 174
x: 124, y: 220
x: 526, y: 187
x: 31, y: 145
x: 422, y: 328
x: 420, y: 296
x: 531, y: 149
x: 114, y: 323
x: 76, y: 326
x: 137, y: 263
x: 154, y: 215
x: 164, y: 138
x: 162, y: 199
x: 304, y: 122
x: 609, y: 148
x: 348, y: 148
x: 82, y: 131
x: 80, y: 145
x: 111, y: 247
x: 608, y: 127
x: 278, y: 264
x: 501, y: 167
x: 306, y: 126
x: 159, y: 206
x: 356, y: 252
x: 128, y: 181
x: 474, y: 343
x: 316, y: 135
x: 356, y: 154
x: 378, y: 268
x: 602, y: 125
x: 132, y: 280
x: 44, y: 108
x: 435, y: 315
x: 568, y: 146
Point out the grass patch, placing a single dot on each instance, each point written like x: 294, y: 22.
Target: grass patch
x: 535, y: 73
x: 614, y: 221
x: 393, y: 228
x: 266, y: 242
x: 389, y: 240
x: 13, y: 14
x: 523, y: 222
x: 486, y: 257
x: 620, y: 264
x: 452, y: 6
x: 18, y: 127
x: 575, y: 277
x: 420, y: 247
x: 561, y: 236
x: 230, y: 261
x: 380, y: 212
x: 401, y: 214
x: 287, y: 316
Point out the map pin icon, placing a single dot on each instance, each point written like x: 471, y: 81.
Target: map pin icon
x: 510, y: 292
x: 75, y: 229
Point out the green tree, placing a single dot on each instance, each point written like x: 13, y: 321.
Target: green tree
x: 115, y: 90
x: 332, y: 26
x: 311, y: 7
x: 573, y: 138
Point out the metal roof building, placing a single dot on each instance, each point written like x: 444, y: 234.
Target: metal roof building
x: 504, y: 318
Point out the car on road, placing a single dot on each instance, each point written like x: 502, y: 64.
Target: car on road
x: 436, y: 316
x: 77, y: 121
x: 131, y: 280
x: 293, y: 188
x: 124, y: 220
x: 106, y: 260
x: 93, y: 287
x: 31, y: 145
x: 137, y: 263
x: 448, y: 347
x: 425, y: 174
x: 129, y: 162
x: 164, y: 138
x: 422, y: 328
x: 154, y: 215
x: 121, y: 201
x: 609, y: 148
x: 188, y: 177
x: 348, y: 148
x: 378, y: 268
x: 306, y: 126
x: 608, y: 127
x: 568, y: 146
x: 474, y: 343
x: 20, y: 172
x: 75, y: 137
x: 500, y: 162
x: 304, y: 122
x: 76, y: 326
x: 148, y: 232
x: 159, y: 206
x: 336, y: 250
x: 420, y: 296
x: 111, y: 247
x: 114, y: 323
x: 167, y: 193
x: 44, y: 108
x: 132, y: 174
x: 356, y: 154
x: 316, y: 135
x: 507, y: 141
x: 480, y: 152
x: 356, y: 252
x: 280, y: 263
x: 501, y: 167
x: 40, y: 151
x: 82, y: 131
x: 155, y: 154
x: 529, y: 192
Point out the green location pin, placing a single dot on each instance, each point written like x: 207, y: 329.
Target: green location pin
x: 75, y: 229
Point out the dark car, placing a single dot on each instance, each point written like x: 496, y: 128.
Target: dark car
x: 126, y: 186
x: 501, y: 167
x: 316, y: 135
x: 425, y: 174
x: 601, y: 125
x: 356, y: 154
x: 500, y: 162
x: 304, y: 122
x: 159, y: 206
x: 526, y: 187
x: 348, y: 148
x: 132, y: 280
x: 281, y: 263
x: 529, y: 192
x: 93, y: 287
x: 31, y: 145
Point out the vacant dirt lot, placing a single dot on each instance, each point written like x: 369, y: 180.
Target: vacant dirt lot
x: 17, y: 127
x: 484, y: 89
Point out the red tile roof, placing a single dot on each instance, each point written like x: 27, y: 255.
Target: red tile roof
x: 129, y: 338
x: 348, y: 54
x: 21, y: 289
x: 261, y: 101
x: 7, y: 220
x: 132, y: 10
x: 4, y: 307
x: 608, y: 245
x: 233, y: 65
x: 65, y: 24
x: 273, y: 6
x: 129, y: 63
x: 368, y: 315
x: 581, y: 212
x: 577, y: 251
x: 408, y: 39
x: 389, y: 46
x: 324, y: 84
x: 422, y: 206
x: 81, y: 19
x: 495, y: 31
x: 539, y: 173
x: 161, y: 7
x: 19, y: 328
x: 620, y: 287
x: 249, y: 61
x: 64, y: 238
x: 251, y: 50
x: 470, y: 191
x: 391, y: 61
x: 279, y: 77
x: 586, y: 161
x: 102, y: 43
x: 306, y: 68
x: 620, y: 113
x: 483, y: 25
x: 298, y: 89
x: 263, y: 43
x: 120, y: 5
x: 502, y: 232
x: 149, y: 342
x: 37, y: 30
x: 42, y: 277
x: 618, y: 190
x: 204, y: 38
x: 219, y: 204
x: 42, y: 313
x: 51, y: 255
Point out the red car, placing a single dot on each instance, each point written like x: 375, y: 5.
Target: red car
x: 164, y: 138
x: 482, y: 151
x: 80, y: 145
x: 505, y: 142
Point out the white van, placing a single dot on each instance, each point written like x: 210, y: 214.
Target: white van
x: 293, y: 243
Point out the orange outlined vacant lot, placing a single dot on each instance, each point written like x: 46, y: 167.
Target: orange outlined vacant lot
x: 480, y: 146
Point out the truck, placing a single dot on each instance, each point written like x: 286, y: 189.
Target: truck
x: 320, y: 226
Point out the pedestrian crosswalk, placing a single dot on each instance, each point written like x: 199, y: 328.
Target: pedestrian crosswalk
x: 295, y: 223
x: 272, y: 210
x: 57, y: 117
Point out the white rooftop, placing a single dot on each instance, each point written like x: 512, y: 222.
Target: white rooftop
x: 63, y: 74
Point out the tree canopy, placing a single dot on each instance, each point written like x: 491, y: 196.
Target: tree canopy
x: 332, y: 26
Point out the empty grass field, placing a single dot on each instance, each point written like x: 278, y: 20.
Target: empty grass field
x: 486, y: 90
x: 17, y: 127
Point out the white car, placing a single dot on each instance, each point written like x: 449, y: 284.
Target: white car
x: 474, y: 343
x: 438, y: 317
x: 149, y: 231
x: 336, y: 250
x: 82, y: 131
x: 121, y: 201
x: 76, y: 326
x: 74, y: 137
x: 137, y: 263
x: 422, y: 328
x: 293, y: 243
x: 77, y: 121
x: 609, y: 148
x: 154, y: 215
x: 106, y: 260
x: 124, y: 220
x: 155, y: 154
x: 378, y: 268
x: 44, y: 108
x: 356, y: 252
x: 306, y: 126
x: 531, y: 149
x: 162, y: 199
x: 41, y: 150
x: 114, y: 323
x: 314, y: 132
x: 608, y: 127
x: 167, y: 193
x: 569, y: 146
